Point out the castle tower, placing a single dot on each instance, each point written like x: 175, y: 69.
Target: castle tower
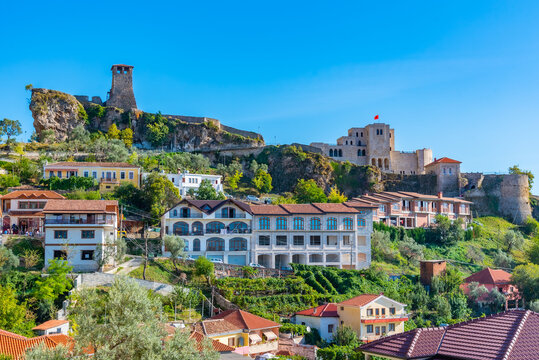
x: 121, y: 93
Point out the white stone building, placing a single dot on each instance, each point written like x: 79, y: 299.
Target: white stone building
x: 186, y: 181
x: 323, y: 318
x: 81, y: 231
x: 274, y: 236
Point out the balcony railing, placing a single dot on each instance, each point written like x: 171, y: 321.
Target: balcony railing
x: 230, y: 216
x: 385, y: 317
x: 79, y: 221
x: 214, y: 232
x: 187, y: 216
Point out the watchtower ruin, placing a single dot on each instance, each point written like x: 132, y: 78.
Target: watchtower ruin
x: 121, y: 93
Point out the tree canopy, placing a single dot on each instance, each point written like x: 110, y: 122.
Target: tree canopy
x: 307, y: 191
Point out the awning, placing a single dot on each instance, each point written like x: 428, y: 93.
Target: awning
x: 255, y: 338
x: 270, y: 335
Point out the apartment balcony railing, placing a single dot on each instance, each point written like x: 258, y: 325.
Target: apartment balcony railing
x: 187, y: 216
x: 388, y: 317
x: 109, y: 181
x: 214, y: 232
x: 230, y: 216
x: 79, y: 221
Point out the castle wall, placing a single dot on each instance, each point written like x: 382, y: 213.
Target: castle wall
x: 404, y: 162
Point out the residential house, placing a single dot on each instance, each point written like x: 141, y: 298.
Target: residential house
x: 218, y: 229
x: 22, y: 210
x: 186, y: 181
x: 247, y: 333
x: 494, y: 279
x: 52, y: 327
x: 511, y: 335
x: 108, y: 175
x: 15, y: 346
x: 81, y: 231
x: 324, y: 318
x: 372, y: 316
x: 411, y: 210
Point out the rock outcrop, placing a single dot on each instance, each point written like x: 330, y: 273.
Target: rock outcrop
x: 57, y: 111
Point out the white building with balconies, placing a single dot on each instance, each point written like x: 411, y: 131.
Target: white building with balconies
x: 186, y: 181
x: 83, y: 232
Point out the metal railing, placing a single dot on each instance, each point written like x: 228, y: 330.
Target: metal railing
x: 188, y: 216
x: 78, y: 221
x: 227, y: 216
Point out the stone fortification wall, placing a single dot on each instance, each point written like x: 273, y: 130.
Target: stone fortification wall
x: 423, y: 184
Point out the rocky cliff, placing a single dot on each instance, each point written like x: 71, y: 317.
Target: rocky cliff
x: 57, y: 111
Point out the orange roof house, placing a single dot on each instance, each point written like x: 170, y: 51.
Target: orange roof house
x: 493, y: 279
x: 15, y: 345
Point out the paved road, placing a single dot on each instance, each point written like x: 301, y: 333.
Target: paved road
x: 127, y: 266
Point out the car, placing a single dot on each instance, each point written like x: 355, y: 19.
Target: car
x: 216, y: 261
x: 267, y: 200
x: 252, y: 198
x: 190, y: 258
x: 287, y: 268
x: 255, y: 265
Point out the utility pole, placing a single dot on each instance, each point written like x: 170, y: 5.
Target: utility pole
x: 145, y: 252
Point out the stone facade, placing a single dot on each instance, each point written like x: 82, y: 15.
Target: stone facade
x: 447, y: 172
x: 374, y: 145
x: 121, y: 93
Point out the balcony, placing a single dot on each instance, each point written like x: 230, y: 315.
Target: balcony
x: 187, y: 216
x: 214, y: 232
x: 230, y: 216
x: 91, y: 221
x: 384, y: 318
x: 109, y: 181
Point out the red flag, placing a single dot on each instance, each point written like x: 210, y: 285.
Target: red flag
x: 376, y: 117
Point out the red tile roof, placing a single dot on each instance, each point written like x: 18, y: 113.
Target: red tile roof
x: 245, y: 320
x: 32, y: 194
x: 210, y: 206
x: 217, y: 345
x: 76, y: 164
x: 444, y: 160
x: 490, y: 276
x: 360, y: 300
x: 84, y: 206
x: 511, y: 335
x: 17, y: 345
x: 314, y: 208
x: 50, y: 324
x: 327, y: 310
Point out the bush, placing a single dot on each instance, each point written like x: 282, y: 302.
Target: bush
x: 336, y: 352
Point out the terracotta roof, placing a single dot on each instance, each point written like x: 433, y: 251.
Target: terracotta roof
x: 360, y: 204
x: 50, y: 324
x: 245, y: 320
x: 300, y: 208
x: 290, y: 209
x: 268, y: 210
x: 100, y: 206
x: 91, y: 164
x: 210, y: 206
x: 490, y: 276
x: 444, y: 160
x: 32, y: 194
x: 217, y: 345
x: 16, y: 345
x: 511, y: 335
x: 327, y: 310
x: 360, y: 300
x: 335, y: 208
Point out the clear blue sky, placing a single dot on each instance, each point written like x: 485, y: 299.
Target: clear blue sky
x: 460, y: 77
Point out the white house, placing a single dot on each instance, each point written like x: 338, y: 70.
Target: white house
x: 81, y: 231
x: 186, y: 181
x: 52, y: 327
x: 324, y: 318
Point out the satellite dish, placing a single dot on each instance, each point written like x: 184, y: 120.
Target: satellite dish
x: 308, y: 329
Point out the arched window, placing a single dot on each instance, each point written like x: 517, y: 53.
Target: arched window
x: 332, y: 224
x: 363, y: 152
x: 215, y: 244
x: 238, y: 227
x: 186, y: 248
x: 281, y: 223
x: 380, y: 163
x: 357, y: 135
x: 175, y: 213
x: 238, y: 244
x: 340, y: 152
x: 298, y: 223
x: 198, y: 228
x: 180, y: 228
x: 358, y: 152
x: 264, y: 223
x: 386, y: 163
x: 315, y: 223
x: 348, y: 224
x: 361, y: 222
x: 196, y: 245
x: 359, y: 143
x: 373, y: 161
x: 330, y: 152
x: 214, y: 227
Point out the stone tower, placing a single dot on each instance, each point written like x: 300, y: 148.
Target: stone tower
x: 121, y: 93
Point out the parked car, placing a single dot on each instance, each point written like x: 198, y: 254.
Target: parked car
x: 287, y: 268
x: 253, y: 198
x: 190, y: 258
x: 216, y: 261
x: 255, y: 265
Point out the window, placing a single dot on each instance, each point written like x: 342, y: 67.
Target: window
x: 231, y: 342
x: 378, y: 330
x: 369, y: 329
x: 395, y: 206
x: 175, y: 213
x: 331, y: 240
x: 60, y: 174
x: 348, y: 224
x: 60, y: 234
x: 361, y: 222
x: 299, y: 240
x: 281, y: 240
x: 298, y: 223
x: 60, y: 254
x: 315, y: 240
x: 87, y: 234
x: 122, y: 175
x: 263, y: 240
x: 214, y: 227
x: 383, y: 311
x: 87, y: 255
x: 377, y: 312
x: 384, y: 330
x: 392, y: 311
x: 238, y: 227
x: 332, y: 224
x: 383, y: 208
x: 346, y: 240
x: 186, y: 245
x: 391, y: 327
x: 264, y: 223
x: 330, y: 328
x: 94, y: 174
x: 215, y: 244
x: 369, y: 312
x: 131, y: 175
x: 51, y: 174
x: 238, y: 244
x: 196, y: 245
x: 180, y: 228
x: 315, y: 223
x: 86, y: 174
x: 281, y: 223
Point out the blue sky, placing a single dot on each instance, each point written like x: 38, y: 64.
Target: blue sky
x: 460, y: 77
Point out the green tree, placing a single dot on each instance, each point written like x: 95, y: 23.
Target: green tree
x: 160, y: 193
x: 176, y: 246
x: 382, y: 247
x: 307, y: 191
x: 14, y: 316
x: 503, y: 260
x: 10, y: 128
x: 56, y: 283
x: 335, y: 196
x: 8, y: 180
x: 233, y: 180
x: 206, y: 191
x: 126, y: 135
x: 526, y: 278
x: 441, y: 306
x: 204, y: 267
x: 42, y: 352
x: 26, y: 170
x: 8, y: 260
x: 513, y: 240
x: 262, y: 181
x: 47, y: 136
x: 515, y: 169
x: 113, y: 132
x: 345, y: 336
x: 157, y: 133
x: 447, y: 232
x: 411, y: 250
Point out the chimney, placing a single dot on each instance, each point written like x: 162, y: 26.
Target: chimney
x: 314, y: 311
x: 440, y: 195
